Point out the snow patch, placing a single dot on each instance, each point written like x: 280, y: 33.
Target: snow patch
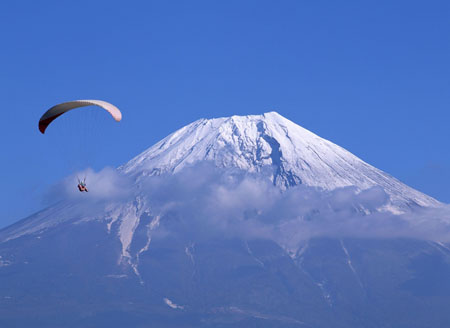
x: 173, y: 305
x: 4, y: 263
x: 259, y: 315
x: 349, y: 262
x: 135, y: 263
x: 326, y: 295
x: 249, y: 251
x: 116, y: 276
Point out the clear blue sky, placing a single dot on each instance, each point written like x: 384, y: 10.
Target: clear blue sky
x: 371, y: 76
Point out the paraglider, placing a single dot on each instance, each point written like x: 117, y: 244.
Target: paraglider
x: 54, y: 112
x: 58, y: 110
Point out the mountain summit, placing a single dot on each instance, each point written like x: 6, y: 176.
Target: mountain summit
x: 271, y: 142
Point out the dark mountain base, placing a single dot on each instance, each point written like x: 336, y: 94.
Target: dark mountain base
x: 76, y: 278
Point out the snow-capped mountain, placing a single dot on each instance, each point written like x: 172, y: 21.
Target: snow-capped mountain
x: 255, y: 142
x: 258, y: 143
x: 192, y: 249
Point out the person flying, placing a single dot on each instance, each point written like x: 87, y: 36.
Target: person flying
x: 82, y: 186
x: 60, y: 109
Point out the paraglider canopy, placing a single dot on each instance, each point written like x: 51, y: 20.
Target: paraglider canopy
x: 54, y: 112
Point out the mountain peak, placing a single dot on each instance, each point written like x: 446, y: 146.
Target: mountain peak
x: 256, y: 143
x: 274, y: 116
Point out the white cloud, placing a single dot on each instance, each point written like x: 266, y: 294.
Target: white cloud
x: 209, y: 202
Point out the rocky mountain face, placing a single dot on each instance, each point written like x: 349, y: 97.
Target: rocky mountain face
x: 232, y: 222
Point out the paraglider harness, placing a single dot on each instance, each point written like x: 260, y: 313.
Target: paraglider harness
x: 82, y: 185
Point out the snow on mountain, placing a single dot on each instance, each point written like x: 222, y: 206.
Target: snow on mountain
x: 245, y: 255
x: 255, y: 142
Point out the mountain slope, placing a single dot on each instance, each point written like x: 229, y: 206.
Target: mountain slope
x: 259, y: 143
